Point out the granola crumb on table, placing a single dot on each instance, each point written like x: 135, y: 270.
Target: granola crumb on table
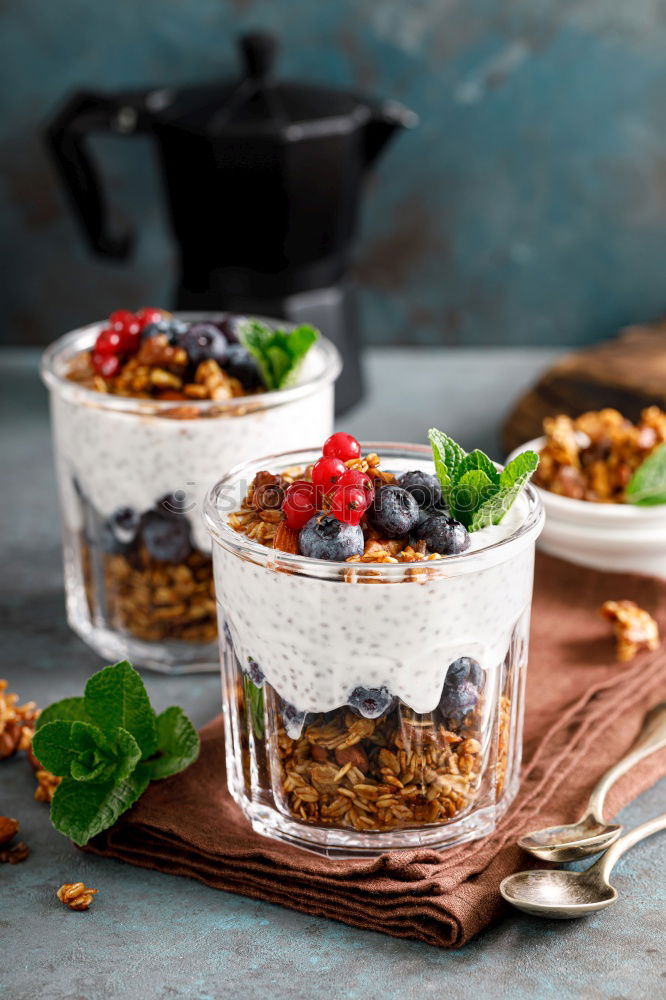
x: 593, y: 457
x: 17, y: 722
x: 76, y: 895
x: 635, y: 629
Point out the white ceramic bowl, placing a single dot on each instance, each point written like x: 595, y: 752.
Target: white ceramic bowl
x: 617, y: 537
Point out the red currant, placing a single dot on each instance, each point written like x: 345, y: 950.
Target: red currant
x: 342, y: 446
x: 349, y: 504
x: 123, y: 321
x: 300, y: 504
x: 129, y: 328
x: 354, y: 477
x: 106, y: 365
x: 108, y: 342
x: 149, y: 315
x: 326, y: 472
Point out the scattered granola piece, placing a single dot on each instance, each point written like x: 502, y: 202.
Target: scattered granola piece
x: 13, y: 855
x: 17, y: 722
x: 76, y: 895
x: 46, y: 785
x: 8, y: 829
x: 635, y: 629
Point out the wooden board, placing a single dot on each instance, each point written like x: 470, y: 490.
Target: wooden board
x: 628, y: 373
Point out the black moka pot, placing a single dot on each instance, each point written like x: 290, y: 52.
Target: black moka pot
x: 263, y: 181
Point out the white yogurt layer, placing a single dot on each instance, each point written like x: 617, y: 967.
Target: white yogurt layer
x: 318, y: 639
x: 126, y: 460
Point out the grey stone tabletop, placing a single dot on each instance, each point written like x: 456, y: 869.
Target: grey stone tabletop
x: 151, y: 936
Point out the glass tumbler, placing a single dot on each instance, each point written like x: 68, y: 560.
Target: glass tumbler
x: 126, y: 466
x: 371, y: 706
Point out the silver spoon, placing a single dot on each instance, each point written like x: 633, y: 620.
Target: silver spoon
x: 561, y: 895
x: 591, y: 834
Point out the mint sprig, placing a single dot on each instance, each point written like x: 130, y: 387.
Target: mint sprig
x: 107, y: 747
x: 474, y: 491
x: 647, y: 486
x: 279, y: 353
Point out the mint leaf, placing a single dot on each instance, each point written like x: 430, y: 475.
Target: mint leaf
x: 278, y: 353
x: 254, y: 706
x: 81, y: 810
x: 68, y: 710
x: 475, y: 492
x: 52, y: 746
x: 470, y: 491
x: 115, y: 698
x: 96, y: 745
x: 177, y: 744
x: 647, y: 486
x: 478, y: 460
x: 103, y: 757
x: 83, y: 752
x: 512, y: 479
x: 447, y: 455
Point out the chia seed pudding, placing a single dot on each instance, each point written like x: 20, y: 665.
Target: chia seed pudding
x: 373, y: 700
x: 135, y: 452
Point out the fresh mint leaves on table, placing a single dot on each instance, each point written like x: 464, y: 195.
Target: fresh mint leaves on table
x: 472, y: 488
x: 647, y: 486
x: 278, y: 353
x: 107, y: 746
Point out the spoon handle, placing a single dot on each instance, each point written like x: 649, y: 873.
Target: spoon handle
x: 607, y: 861
x: 651, y: 737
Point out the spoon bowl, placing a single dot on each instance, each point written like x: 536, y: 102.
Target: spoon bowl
x: 591, y: 834
x: 571, y: 842
x: 558, y: 895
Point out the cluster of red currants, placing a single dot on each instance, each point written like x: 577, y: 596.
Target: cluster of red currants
x: 344, y: 493
x: 121, y: 338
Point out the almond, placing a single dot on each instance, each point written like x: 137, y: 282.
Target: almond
x: 352, y: 755
x: 8, y: 829
x: 286, y: 539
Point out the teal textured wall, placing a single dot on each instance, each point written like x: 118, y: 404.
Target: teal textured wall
x: 528, y: 207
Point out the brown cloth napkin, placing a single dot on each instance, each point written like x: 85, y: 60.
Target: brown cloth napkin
x: 583, y: 712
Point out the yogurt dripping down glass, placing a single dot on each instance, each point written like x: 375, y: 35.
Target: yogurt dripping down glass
x: 372, y: 706
x: 116, y: 454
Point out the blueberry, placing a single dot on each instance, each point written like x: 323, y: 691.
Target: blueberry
x: 229, y: 325
x: 254, y: 672
x: 443, y: 534
x: 171, y: 326
x: 425, y: 489
x: 465, y: 669
x: 241, y: 365
x: 370, y: 702
x: 122, y: 528
x: 458, y: 700
x: 166, y: 536
x: 324, y: 537
x: 293, y: 719
x: 204, y: 342
x: 394, y: 511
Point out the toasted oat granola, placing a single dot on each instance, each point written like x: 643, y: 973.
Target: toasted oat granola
x: 160, y: 371
x: 635, y: 629
x: 154, y: 600
x: 594, y: 456
x: 397, y: 771
x: 260, y: 517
